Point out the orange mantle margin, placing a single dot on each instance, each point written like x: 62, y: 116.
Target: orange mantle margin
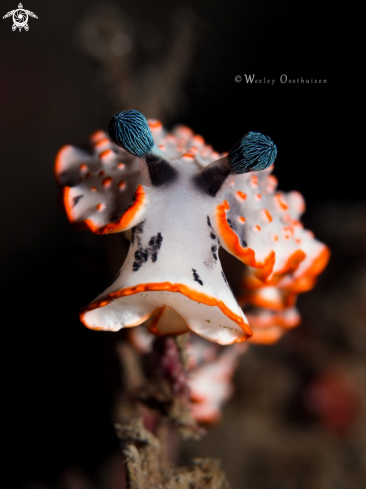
x: 180, y: 288
x: 114, y: 227
x: 246, y: 255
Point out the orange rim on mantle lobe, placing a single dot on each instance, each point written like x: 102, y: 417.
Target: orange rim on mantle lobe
x: 247, y: 255
x: 161, y: 286
x: 125, y: 220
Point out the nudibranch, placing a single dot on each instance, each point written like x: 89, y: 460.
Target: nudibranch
x: 181, y: 200
x: 170, y: 199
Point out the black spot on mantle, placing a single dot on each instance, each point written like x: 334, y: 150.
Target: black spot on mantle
x: 234, y: 228
x: 214, y: 248
x: 230, y: 222
x: 142, y: 254
x: 76, y: 199
x: 154, y: 246
x: 243, y: 243
x: 136, y: 231
x: 196, y: 277
x: 212, y: 235
x: 225, y: 280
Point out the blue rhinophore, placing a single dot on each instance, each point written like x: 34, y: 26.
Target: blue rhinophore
x: 253, y: 152
x: 130, y: 130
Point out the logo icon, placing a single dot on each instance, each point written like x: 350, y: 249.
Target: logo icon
x: 238, y: 78
x: 20, y: 18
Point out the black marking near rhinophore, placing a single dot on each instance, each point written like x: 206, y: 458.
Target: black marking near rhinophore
x: 254, y: 152
x: 76, y: 199
x: 196, y: 277
x: 161, y: 171
x: 214, y: 251
x: 130, y: 130
x: 142, y: 254
x: 211, y: 178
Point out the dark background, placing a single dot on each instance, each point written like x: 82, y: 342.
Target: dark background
x: 58, y: 378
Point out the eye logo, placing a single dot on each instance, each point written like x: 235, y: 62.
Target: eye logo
x: 20, y: 18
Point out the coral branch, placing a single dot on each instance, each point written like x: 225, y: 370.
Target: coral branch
x: 142, y: 450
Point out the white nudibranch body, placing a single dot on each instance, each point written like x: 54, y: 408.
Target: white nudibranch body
x: 182, y: 200
x: 173, y: 262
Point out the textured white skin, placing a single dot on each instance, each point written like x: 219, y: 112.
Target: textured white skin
x: 186, y: 246
x: 276, y: 313
x: 284, y: 234
x: 108, y: 203
x: 79, y: 171
x: 292, y: 236
x: 259, y: 232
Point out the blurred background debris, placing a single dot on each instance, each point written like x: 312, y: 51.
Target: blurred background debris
x: 142, y: 63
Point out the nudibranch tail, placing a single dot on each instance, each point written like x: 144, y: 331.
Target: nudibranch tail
x: 130, y: 130
x: 254, y: 152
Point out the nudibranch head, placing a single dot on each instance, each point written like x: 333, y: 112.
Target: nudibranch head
x: 130, y: 130
x: 254, y: 152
